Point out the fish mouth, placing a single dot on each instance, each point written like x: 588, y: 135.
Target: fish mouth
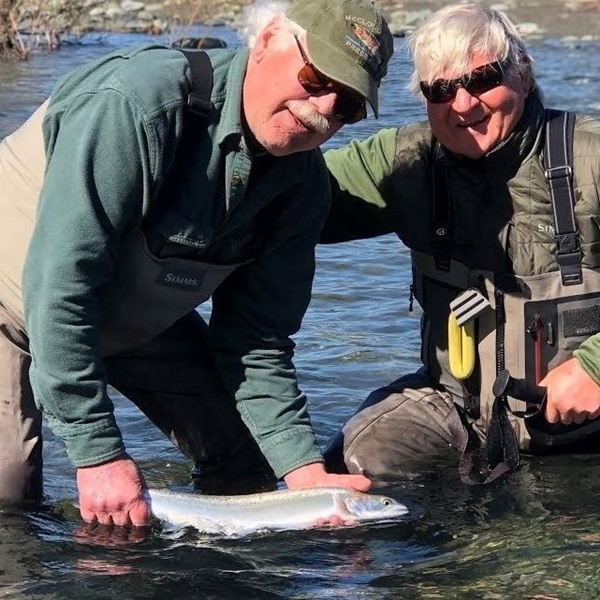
x: 373, y: 508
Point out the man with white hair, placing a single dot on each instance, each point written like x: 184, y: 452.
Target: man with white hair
x: 158, y: 193
x: 497, y: 200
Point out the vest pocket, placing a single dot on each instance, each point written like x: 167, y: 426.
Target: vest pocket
x: 555, y: 328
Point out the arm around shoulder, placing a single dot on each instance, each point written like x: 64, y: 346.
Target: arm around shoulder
x: 368, y: 182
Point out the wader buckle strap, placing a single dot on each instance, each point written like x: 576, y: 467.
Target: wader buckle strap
x: 558, y: 164
x: 198, y: 100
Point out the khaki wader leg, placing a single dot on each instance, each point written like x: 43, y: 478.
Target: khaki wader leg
x: 172, y: 381
x: 404, y: 428
x: 20, y: 420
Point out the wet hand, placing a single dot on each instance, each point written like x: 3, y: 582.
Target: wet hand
x: 112, y: 493
x: 315, y: 475
x: 109, y: 536
x: 573, y: 396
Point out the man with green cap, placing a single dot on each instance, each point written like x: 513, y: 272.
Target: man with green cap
x: 130, y: 198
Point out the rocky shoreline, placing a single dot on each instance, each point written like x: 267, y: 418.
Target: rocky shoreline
x: 577, y: 19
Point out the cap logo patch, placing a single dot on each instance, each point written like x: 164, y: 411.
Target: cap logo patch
x: 364, y: 43
x: 366, y: 38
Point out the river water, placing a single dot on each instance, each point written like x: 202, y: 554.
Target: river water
x: 532, y: 536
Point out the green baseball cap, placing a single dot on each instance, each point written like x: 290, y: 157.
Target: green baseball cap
x: 348, y: 41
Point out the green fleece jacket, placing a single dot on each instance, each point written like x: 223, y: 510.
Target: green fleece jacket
x: 120, y: 146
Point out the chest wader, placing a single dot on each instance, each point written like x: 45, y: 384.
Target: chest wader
x: 21, y: 183
x: 526, y: 325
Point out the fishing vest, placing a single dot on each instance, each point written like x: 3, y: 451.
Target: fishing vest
x: 525, y: 324
x: 147, y: 294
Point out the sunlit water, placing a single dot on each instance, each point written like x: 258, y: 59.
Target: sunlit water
x: 532, y: 536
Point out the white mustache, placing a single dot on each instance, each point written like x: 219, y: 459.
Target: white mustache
x: 305, y: 112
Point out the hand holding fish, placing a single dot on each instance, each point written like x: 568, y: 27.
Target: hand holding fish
x: 315, y: 475
x: 113, y: 493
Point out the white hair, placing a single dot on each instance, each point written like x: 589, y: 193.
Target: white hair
x: 258, y: 16
x: 447, y: 41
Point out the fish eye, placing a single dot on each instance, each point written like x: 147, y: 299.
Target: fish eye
x: 388, y: 502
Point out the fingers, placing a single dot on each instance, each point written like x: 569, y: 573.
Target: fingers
x: 567, y: 417
x: 138, y: 515
x: 112, y: 493
x: 573, y: 396
x: 332, y: 521
x: 117, y: 519
x: 104, y: 518
x: 88, y: 515
x: 552, y: 415
x: 315, y: 475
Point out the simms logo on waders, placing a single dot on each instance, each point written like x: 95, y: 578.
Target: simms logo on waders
x: 179, y: 279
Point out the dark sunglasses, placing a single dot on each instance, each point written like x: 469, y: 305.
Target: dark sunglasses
x: 477, y: 81
x: 349, y: 107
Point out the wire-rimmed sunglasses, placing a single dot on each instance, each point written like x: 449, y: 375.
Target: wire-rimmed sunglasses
x: 479, y: 80
x: 349, y: 106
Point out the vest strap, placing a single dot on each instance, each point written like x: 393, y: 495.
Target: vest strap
x: 558, y: 161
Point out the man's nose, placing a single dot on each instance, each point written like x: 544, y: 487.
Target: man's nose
x: 325, y: 103
x: 463, y: 101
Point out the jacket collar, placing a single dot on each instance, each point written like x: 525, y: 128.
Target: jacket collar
x: 230, y: 126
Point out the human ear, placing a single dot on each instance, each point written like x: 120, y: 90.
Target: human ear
x: 265, y: 39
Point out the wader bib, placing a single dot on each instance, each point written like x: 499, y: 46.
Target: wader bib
x: 532, y: 325
x: 147, y: 295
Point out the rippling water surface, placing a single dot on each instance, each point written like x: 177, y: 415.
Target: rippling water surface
x: 532, y: 536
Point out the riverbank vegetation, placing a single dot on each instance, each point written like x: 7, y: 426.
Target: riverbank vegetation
x: 27, y: 25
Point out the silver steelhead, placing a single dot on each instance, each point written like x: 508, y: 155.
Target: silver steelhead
x: 278, y: 510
